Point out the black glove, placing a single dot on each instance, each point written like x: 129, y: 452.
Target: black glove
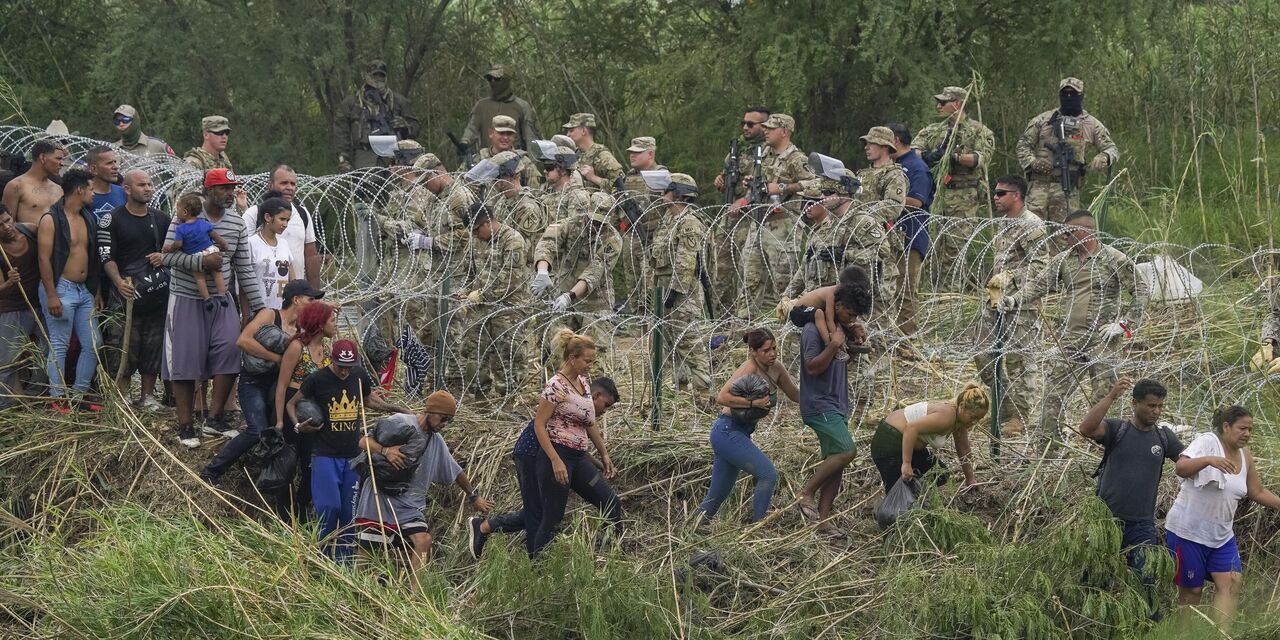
x: 933, y: 157
x: 673, y: 298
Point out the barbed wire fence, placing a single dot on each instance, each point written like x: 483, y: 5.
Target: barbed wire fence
x: 1197, y: 330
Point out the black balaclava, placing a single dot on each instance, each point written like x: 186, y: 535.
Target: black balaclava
x: 500, y: 89
x: 131, y: 134
x: 1070, y: 103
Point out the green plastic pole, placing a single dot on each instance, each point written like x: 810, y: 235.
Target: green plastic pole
x: 442, y: 327
x: 655, y: 360
x: 997, y: 392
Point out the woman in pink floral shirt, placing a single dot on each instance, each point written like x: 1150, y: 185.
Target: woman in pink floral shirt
x: 564, y: 424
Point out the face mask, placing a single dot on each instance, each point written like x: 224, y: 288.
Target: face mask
x: 1071, y: 104
x: 131, y: 135
x: 376, y: 81
x: 500, y: 89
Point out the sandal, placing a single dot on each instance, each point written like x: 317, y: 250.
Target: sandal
x: 808, y: 509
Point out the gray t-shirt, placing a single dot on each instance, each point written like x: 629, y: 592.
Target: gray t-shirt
x: 437, y: 466
x: 1131, y: 477
x: 827, y: 391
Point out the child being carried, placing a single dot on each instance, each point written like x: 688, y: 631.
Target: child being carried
x: 195, y: 236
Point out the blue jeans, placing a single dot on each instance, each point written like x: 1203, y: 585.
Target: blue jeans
x: 734, y: 453
x: 256, y: 399
x: 333, y: 487
x: 77, y: 316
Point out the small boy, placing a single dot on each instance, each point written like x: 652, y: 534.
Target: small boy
x: 814, y: 305
x: 195, y: 235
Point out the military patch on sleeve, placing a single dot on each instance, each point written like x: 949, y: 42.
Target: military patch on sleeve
x: 105, y: 221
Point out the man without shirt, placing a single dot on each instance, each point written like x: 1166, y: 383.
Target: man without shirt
x: 31, y: 194
x: 19, y: 281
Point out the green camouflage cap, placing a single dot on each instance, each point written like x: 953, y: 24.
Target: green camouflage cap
x: 566, y: 157
x: 496, y: 71
x: 506, y: 124
x: 643, y: 143
x: 1074, y: 83
x: 562, y: 140
x: 601, y: 204
x: 406, y: 152
x: 580, y: 120
x: 879, y: 135
x: 215, y: 124
x: 428, y: 162
x: 952, y: 94
x: 780, y: 121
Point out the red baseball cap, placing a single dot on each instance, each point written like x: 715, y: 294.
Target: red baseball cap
x: 344, y: 353
x: 219, y: 177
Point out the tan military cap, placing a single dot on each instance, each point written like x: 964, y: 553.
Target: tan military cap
x: 1074, y: 83
x: 428, y: 162
x: 951, y: 94
x: 126, y: 110
x: 506, y: 124
x: 879, y: 135
x: 496, y: 71
x: 643, y: 143
x: 215, y: 124
x: 562, y: 140
x: 580, y: 120
x: 780, y: 121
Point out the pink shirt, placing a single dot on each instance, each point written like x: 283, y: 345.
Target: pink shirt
x: 573, y: 412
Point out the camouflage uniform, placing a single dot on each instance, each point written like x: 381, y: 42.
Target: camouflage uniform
x: 730, y: 232
x: 770, y: 254
x: 494, y: 318
x: 372, y: 110
x: 1093, y: 287
x: 1088, y: 132
x: 963, y: 189
x: 203, y: 160
x: 607, y: 167
x: 529, y: 172
x: 584, y: 247
x: 523, y: 212
x: 677, y: 254
x: 1271, y: 326
x: 637, y: 282
x: 883, y: 195
x: 1019, y: 252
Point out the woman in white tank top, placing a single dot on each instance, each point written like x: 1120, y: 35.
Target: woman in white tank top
x: 1217, y: 470
x: 901, y: 445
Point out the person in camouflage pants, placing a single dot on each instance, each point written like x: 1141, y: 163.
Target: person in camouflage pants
x: 678, y: 272
x: 633, y: 192
x: 1019, y: 253
x: 770, y: 255
x: 514, y: 204
x: 1082, y: 133
x: 958, y: 151
x: 731, y: 228
x: 496, y: 306
x: 1092, y: 276
x: 596, y: 164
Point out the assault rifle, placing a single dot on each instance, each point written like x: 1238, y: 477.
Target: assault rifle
x: 631, y: 208
x: 731, y: 176
x: 1064, y: 155
x: 759, y: 203
x: 464, y: 151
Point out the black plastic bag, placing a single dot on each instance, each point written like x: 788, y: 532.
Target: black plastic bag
x: 899, y: 500
x: 390, y: 432
x: 277, y: 461
x: 752, y: 386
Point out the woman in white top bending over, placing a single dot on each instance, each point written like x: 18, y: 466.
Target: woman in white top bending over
x: 1216, y: 470
x: 900, y: 446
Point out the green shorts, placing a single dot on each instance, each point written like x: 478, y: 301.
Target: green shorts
x: 832, y: 429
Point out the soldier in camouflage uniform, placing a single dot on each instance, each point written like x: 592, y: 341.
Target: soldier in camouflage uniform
x: 514, y: 205
x: 1082, y: 132
x: 502, y: 137
x: 596, y: 164
x: 677, y: 263
x: 212, y: 153
x: 1092, y: 276
x: 1019, y: 252
x: 563, y: 196
x: 496, y: 305
x: 958, y: 151
x: 631, y: 188
x: 840, y: 235
x: 882, y: 196
x: 1266, y: 359
x: 373, y: 110
x: 771, y: 252
x: 574, y: 259
x: 731, y: 228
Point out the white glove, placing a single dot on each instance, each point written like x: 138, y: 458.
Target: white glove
x: 562, y: 303
x: 418, y: 241
x: 1006, y: 304
x: 1112, y: 331
x: 541, y: 283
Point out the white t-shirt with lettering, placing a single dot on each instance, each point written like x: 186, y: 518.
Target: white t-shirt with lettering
x: 272, y: 265
x: 296, y: 236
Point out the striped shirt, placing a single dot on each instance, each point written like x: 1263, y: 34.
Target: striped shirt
x: 231, y: 228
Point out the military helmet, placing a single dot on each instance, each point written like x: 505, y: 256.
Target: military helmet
x: 508, y: 163
x: 407, y: 151
x: 683, y: 186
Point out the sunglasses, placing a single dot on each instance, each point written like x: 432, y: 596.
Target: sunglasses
x: 123, y: 119
x: 1000, y: 193
x: 749, y: 123
x: 221, y: 133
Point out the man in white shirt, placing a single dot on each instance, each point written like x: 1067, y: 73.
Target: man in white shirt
x: 300, y: 235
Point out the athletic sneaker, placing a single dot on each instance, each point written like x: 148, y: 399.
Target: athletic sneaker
x: 215, y: 426
x: 61, y: 407
x: 477, y: 537
x: 213, y: 480
x: 188, y: 437
x: 149, y: 403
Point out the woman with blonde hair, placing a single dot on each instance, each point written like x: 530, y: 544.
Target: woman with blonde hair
x: 564, y: 424
x: 900, y: 446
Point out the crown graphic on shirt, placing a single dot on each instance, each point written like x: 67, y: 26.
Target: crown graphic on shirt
x: 345, y: 409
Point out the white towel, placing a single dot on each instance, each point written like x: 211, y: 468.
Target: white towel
x: 1210, y: 475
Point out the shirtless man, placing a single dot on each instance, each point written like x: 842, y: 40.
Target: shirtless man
x: 30, y: 195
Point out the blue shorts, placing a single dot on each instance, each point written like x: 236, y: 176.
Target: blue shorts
x: 1197, y: 561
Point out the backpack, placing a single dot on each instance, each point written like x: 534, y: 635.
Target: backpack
x: 1161, y: 432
